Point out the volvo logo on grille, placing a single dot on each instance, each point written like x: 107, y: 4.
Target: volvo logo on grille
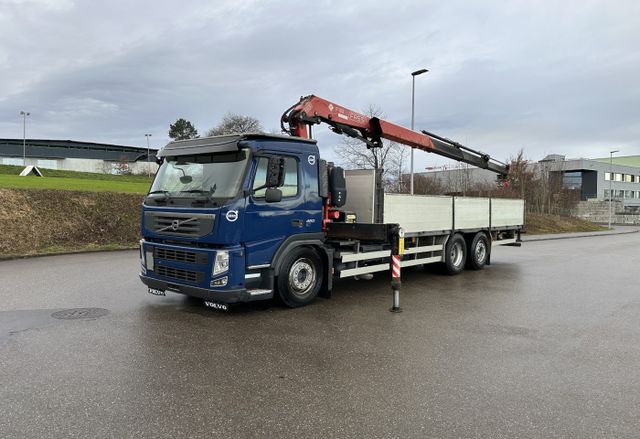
x: 176, y: 224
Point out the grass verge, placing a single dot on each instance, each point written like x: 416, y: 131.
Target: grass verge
x: 15, y: 170
x: 540, y: 224
x: 73, y: 184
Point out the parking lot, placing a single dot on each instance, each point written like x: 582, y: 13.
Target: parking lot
x: 545, y: 342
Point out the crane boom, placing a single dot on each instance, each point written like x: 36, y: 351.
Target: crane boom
x: 312, y: 110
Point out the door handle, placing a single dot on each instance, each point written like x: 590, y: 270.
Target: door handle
x: 297, y: 223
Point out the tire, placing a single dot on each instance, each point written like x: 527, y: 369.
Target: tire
x: 455, y: 254
x: 478, y: 254
x: 300, y: 277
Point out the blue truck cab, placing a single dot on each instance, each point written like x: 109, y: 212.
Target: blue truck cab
x: 235, y: 218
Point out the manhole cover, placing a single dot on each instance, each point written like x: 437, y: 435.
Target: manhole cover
x: 80, y: 313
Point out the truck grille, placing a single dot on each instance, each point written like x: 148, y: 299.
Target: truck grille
x: 179, y: 224
x: 179, y: 274
x: 181, y: 255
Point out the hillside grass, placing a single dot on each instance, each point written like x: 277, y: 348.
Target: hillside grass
x: 71, y: 184
x: 540, y: 224
x: 15, y: 170
x: 46, y: 221
x: 65, y: 214
x: 73, y: 181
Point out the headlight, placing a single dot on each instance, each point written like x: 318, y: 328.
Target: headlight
x: 222, y: 262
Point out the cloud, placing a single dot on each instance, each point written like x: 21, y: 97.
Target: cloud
x: 546, y: 77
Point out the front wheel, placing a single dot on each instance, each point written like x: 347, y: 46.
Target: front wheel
x: 300, y: 277
x: 455, y: 254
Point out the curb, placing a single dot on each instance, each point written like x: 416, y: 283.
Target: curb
x: 76, y: 252
x: 581, y: 235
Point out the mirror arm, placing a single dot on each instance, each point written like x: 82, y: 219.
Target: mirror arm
x: 248, y: 192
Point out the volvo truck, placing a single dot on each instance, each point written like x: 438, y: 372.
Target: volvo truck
x: 252, y: 216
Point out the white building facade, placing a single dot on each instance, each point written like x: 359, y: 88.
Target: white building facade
x: 70, y: 155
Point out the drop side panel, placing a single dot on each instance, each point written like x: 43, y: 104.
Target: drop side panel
x: 471, y: 213
x: 418, y: 213
x: 507, y: 212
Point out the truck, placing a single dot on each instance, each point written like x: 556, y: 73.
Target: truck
x: 254, y: 216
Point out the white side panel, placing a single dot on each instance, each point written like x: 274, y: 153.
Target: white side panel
x: 361, y: 185
x: 471, y: 213
x: 505, y: 212
x: 418, y: 213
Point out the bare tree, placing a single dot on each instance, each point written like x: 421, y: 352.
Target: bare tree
x: 236, y: 124
x: 354, y: 154
x: 458, y: 179
x: 539, y: 186
x: 425, y: 185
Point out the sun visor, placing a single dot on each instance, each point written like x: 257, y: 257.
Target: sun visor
x: 205, y: 145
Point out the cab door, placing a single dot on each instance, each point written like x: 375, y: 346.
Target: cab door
x: 267, y: 225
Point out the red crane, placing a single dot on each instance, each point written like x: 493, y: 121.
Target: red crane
x: 311, y: 110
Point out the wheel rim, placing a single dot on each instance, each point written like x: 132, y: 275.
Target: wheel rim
x: 481, y: 251
x: 302, y: 277
x: 456, y: 254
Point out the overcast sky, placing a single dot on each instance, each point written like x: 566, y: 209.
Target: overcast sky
x: 545, y: 76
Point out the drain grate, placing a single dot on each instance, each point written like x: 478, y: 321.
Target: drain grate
x: 80, y: 313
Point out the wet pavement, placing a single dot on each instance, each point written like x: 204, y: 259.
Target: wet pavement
x: 543, y: 343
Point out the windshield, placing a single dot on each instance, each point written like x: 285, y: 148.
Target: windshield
x: 216, y: 175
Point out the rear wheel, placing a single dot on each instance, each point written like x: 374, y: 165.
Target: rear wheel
x: 478, y: 252
x: 455, y: 254
x: 300, y: 277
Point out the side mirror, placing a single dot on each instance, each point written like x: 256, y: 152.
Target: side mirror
x: 275, y: 172
x: 272, y: 195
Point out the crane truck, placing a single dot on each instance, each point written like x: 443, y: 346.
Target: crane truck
x: 246, y: 217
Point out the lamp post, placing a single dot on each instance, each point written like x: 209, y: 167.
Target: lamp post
x: 413, y: 106
x: 24, y: 115
x: 148, y: 162
x: 610, y: 181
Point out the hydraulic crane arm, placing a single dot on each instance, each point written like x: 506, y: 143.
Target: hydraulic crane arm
x: 312, y: 110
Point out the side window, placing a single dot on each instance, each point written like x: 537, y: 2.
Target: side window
x: 261, y: 177
x: 290, y: 187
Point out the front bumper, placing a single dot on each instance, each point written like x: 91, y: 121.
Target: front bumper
x: 221, y: 296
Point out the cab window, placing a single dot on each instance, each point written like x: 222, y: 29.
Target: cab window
x: 290, y: 187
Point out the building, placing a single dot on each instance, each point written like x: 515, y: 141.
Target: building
x: 71, y: 155
x: 592, y: 177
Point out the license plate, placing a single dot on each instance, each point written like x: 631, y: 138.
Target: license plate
x: 156, y: 292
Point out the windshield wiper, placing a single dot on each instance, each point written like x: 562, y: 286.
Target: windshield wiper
x: 153, y: 195
x: 210, y: 192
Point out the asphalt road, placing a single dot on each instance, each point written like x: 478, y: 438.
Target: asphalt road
x: 543, y: 343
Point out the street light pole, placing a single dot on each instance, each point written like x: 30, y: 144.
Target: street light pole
x: 413, y: 106
x: 148, y: 162
x: 24, y: 115
x: 610, y: 181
